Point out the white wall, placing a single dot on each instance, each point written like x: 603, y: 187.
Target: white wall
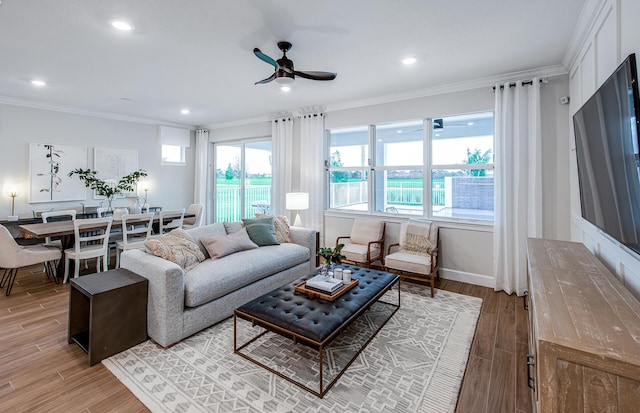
x: 467, y: 249
x: 170, y: 186
x: 608, y: 32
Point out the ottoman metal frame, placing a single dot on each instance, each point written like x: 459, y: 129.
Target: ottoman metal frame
x: 301, y: 337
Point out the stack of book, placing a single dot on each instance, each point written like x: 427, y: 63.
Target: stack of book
x: 324, y: 284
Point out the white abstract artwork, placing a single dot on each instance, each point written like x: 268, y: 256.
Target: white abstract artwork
x: 112, y: 164
x: 49, y: 165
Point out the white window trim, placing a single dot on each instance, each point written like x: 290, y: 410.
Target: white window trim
x: 427, y: 168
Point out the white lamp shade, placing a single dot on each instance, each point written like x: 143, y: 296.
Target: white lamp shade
x: 297, y: 200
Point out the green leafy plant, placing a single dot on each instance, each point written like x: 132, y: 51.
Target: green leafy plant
x: 105, y: 188
x: 332, y: 255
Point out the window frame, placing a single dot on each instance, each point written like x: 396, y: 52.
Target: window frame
x: 427, y: 172
x: 242, y: 143
x: 183, y: 156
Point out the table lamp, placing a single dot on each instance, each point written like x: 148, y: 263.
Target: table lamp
x: 297, y: 201
x: 12, y: 217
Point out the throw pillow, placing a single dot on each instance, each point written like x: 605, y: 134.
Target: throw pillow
x: 177, y: 246
x: 281, y: 225
x: 416, y: 237
x: 220, y: 246
x: 261, y: 231
x: 232, y: 227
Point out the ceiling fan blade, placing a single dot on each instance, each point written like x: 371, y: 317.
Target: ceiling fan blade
x: 267, y: 80
x: 265, y: 58
x: 316, y: 75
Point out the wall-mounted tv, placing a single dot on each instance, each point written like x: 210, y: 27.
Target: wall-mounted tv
x: 606, y: 131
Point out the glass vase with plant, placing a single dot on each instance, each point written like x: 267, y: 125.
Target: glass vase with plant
x: 108, y: 189
x: 332, y: 256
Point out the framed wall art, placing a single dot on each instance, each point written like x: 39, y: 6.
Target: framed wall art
x: 49, y: 165
x: 113, y: 163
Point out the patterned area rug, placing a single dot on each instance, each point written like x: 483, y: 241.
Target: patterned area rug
x: 414, y: 364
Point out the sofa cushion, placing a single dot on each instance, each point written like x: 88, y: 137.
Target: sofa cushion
x: 178, y: 247
x: 261, y: 231
x: 215, y: 278
x: 211, y: 230
x: 281, y: 225
x: 222, y: 245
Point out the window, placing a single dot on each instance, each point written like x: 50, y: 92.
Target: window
x: 445, y: 173
x: 173, y: 154
x: 462, y: 166
x: 399, y: 167
x: 243, y: 179
x: 349, y: 169
x: 174, y: 142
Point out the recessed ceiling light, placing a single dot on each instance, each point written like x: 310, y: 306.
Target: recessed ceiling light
x: 285, y: 88
x: 121, y: 25
x: 399, y: 131
x: 409, y: 60
x: 37, y: 82
x: 470, y: 123
x: 185, y: 111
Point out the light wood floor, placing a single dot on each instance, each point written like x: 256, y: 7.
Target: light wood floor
x: 40, y: 372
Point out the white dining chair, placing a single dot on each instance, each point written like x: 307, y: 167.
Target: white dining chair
x: 91, y: 241
x: 13, y: 257
x: 136, y: 229
x: 170, y: 219
x: 46, y: 216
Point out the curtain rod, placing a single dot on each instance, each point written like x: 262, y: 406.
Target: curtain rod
x: 524, y: 83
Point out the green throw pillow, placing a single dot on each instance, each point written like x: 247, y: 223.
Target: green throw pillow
x: 261, y: 231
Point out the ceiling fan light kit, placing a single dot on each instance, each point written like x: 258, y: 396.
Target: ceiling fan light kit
x: 284, y: 73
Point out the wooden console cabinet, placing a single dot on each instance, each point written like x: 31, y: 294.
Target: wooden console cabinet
x: 584, y: 332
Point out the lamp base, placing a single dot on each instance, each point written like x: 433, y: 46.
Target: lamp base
x: 12, y: 218
x: 297, y: 222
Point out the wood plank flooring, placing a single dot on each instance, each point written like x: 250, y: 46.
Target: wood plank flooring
x: 40, y: 372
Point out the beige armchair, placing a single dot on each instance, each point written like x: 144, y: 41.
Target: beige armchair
x: 415, y: 257
x: 13, y: 257
x: 193, y: 222
x: 365, y: 245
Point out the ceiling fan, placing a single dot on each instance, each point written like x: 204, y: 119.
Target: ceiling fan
x: 284, y: 72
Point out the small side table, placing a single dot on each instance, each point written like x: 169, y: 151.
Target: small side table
x: 107, y: 312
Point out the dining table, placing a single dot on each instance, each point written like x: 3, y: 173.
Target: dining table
x: 65, y: 232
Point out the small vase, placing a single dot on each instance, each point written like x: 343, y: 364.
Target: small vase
x: 133, y: 204
x: 327, y: 269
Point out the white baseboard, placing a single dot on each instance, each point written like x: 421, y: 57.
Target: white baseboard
x: 468, y: 277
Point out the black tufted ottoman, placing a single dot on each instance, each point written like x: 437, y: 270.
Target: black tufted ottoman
x: 314, y: 321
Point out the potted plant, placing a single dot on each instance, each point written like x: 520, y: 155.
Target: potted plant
x: 108, y: 189
x: 331, y: 256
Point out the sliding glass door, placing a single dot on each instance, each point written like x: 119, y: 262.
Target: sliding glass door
x: 243, y: 179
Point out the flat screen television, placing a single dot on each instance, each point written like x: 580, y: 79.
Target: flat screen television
x: 606, y: 131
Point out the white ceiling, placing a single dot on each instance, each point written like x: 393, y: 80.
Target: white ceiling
x: 198, y: 53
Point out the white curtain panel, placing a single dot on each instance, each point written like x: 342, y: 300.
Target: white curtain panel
x: 282, y: 138
x: 518, y: 182
x: 201, y: 170
x: 312, y: 169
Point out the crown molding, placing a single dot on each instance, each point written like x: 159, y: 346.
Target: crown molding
x: 75, y: 111
x: 488, y: 82
x: 549, y: 71
x: 586, y: 21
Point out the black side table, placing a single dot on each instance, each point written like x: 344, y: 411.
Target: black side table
x: 107, y: 312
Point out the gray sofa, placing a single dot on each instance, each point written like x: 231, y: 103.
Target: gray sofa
x: 181, y: 304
